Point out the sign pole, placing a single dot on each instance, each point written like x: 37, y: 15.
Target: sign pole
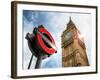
x: 38, y: 62
x: 30, y: 62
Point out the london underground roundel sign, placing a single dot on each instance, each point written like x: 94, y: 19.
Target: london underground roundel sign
x: 46, y: 41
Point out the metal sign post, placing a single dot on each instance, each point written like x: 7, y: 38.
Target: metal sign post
x: 41, y: 44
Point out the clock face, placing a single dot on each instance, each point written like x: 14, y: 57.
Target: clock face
x: 68, y: 35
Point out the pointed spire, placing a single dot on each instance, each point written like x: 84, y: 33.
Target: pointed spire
x: 70, y: 23
x: 70, y: 19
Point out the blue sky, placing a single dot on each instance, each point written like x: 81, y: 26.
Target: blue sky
x: 55, y: 23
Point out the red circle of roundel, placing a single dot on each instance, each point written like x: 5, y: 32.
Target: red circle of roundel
x: 42, y: 44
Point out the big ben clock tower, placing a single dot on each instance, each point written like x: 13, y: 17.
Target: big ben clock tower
x: 73, y: 47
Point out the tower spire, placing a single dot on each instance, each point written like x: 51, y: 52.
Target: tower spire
x: 70, y: 23
x: 70, y: 19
